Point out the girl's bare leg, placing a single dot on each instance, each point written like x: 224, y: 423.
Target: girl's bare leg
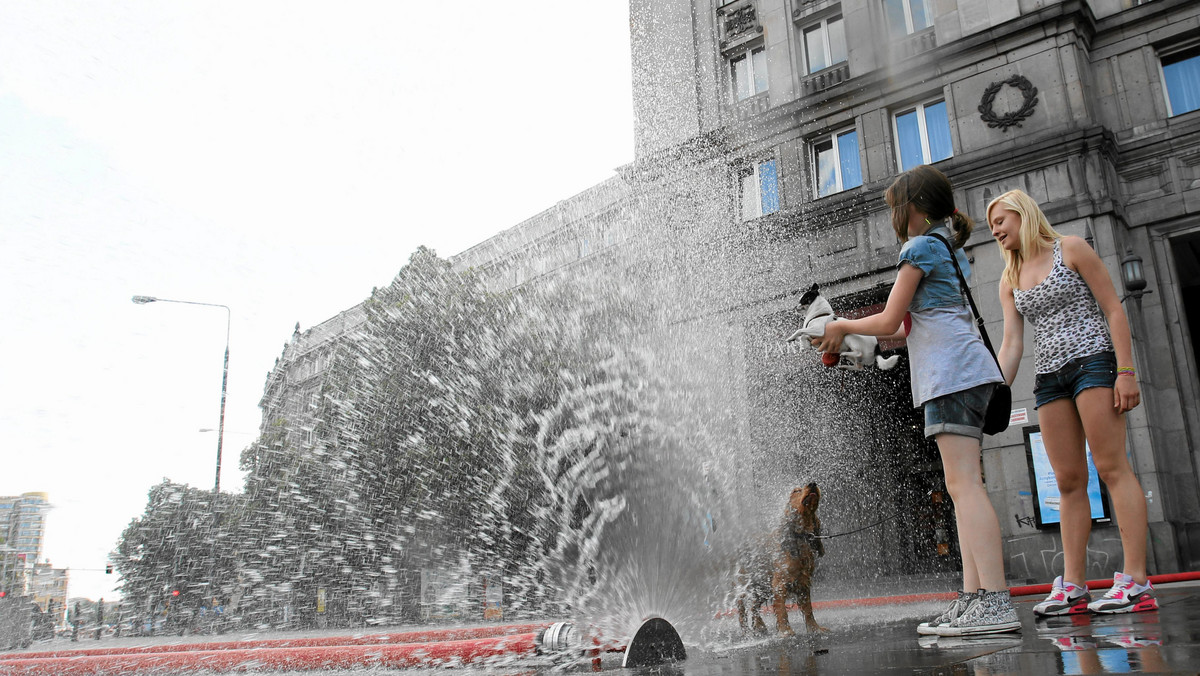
x: 1062, y: 433
x: 978, y: 529
x: 1105, y: 430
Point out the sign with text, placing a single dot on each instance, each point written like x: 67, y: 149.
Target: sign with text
x: 1046, y: 498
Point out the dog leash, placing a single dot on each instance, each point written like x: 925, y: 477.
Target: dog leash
x: 857, y: 530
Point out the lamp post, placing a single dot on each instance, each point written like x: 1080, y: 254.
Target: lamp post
x: 142, y: 300
x: 1133, y: 277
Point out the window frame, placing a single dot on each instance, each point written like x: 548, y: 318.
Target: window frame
x: 923, y: 130
x: 747, y: 54
x: 754, y: 169
x: 1194, y: 49
x: 832, y: 137
x: 823, y: 25
x: 908, y: 16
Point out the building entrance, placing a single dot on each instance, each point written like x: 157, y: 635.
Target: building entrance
x: 858, y: 436
x: 1187, y: 266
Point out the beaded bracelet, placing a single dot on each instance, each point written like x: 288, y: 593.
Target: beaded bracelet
x: 1125, y: 371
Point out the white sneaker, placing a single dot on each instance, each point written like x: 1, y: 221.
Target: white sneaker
x: 1065, y: 599
x: 957, y: 606
x: 990, y: 613
x: 1126, y: 597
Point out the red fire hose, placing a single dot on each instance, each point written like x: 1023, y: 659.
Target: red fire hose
x: 427, y: 636
x: 441, y: 653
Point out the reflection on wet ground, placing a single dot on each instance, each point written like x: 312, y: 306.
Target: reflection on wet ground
x: 1163, y: 642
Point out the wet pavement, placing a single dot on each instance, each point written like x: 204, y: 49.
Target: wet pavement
x: 1166, y: 641
x: 883, y: 640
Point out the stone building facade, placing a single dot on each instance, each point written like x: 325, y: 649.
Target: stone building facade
x: 799, y: 113
x: 575, y: 234
x: 294, y: 384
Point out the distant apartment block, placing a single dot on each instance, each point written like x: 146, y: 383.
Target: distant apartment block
x: 22, y: 535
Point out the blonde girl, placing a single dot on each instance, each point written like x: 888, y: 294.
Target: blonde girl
x: 1085, y: 383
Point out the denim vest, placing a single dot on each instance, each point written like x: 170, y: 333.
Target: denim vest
x: 944, y: 348
x: 939, y: 287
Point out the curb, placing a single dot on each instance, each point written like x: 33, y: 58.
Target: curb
x: 1038, y: 589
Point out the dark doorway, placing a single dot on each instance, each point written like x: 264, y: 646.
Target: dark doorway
x: 857, y: 434
x: 1187, y: 266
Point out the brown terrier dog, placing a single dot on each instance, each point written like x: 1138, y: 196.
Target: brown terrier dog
x: 788, y: 562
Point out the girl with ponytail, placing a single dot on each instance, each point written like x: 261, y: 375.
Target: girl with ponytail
x: 953, y: 376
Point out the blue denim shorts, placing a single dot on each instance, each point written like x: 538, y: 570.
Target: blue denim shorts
x: 1077, y: 375
x: 958, y: 413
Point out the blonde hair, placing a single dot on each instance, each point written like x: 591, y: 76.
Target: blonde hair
x: 1035, y: 234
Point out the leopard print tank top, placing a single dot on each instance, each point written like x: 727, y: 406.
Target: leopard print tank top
x: 1066, y: 318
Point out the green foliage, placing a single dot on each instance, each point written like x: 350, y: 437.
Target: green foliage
x: 182, y: 542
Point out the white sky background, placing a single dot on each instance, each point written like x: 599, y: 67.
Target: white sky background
x: 281, y: 158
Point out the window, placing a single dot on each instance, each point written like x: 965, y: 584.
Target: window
x: 760, y: 190
x: 748, y: 73
x: 923, y: 135
x: 836, y: 161
x: 824, y: 44
x: 1181, y: 79
x: 905, y: 17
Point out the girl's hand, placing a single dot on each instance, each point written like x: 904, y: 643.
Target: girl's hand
x: 1126, y: 395
x: 832, y: 340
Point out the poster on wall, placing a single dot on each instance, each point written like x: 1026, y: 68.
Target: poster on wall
x: 493, y: 598
x: 442, y: 596
x: 1046, y: 500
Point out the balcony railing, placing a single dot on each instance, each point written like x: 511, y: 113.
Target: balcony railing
x: 824, y: 79
x: 752, y: 107
x: 916, y: 43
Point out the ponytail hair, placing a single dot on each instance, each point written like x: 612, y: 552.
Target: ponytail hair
x: 961, y: 225
x: 1036, y: 233
x: 930, y: 191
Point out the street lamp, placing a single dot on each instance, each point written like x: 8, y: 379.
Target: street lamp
x: 1133, y: 276
x: 142, y: 300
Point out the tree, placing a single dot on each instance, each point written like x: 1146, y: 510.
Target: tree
x: 179, y: 551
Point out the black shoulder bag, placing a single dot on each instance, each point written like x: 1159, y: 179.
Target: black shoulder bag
x: 999, y: 408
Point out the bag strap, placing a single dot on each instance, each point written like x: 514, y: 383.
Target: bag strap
x: 962, y: 282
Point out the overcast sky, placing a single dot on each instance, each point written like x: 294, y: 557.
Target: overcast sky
x: 280, y: 158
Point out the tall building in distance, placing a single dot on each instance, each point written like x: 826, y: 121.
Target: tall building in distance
x: 22, y: 535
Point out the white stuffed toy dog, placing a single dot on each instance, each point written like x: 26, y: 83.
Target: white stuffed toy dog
x: 856, y: 350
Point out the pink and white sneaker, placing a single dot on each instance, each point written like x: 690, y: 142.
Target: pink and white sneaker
x: 1064, y: 599
x: 1126, y: 597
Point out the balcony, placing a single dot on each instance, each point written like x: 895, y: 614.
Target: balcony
x: 752, y: 107
x: 824, y: 79
x: 914, y: 44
